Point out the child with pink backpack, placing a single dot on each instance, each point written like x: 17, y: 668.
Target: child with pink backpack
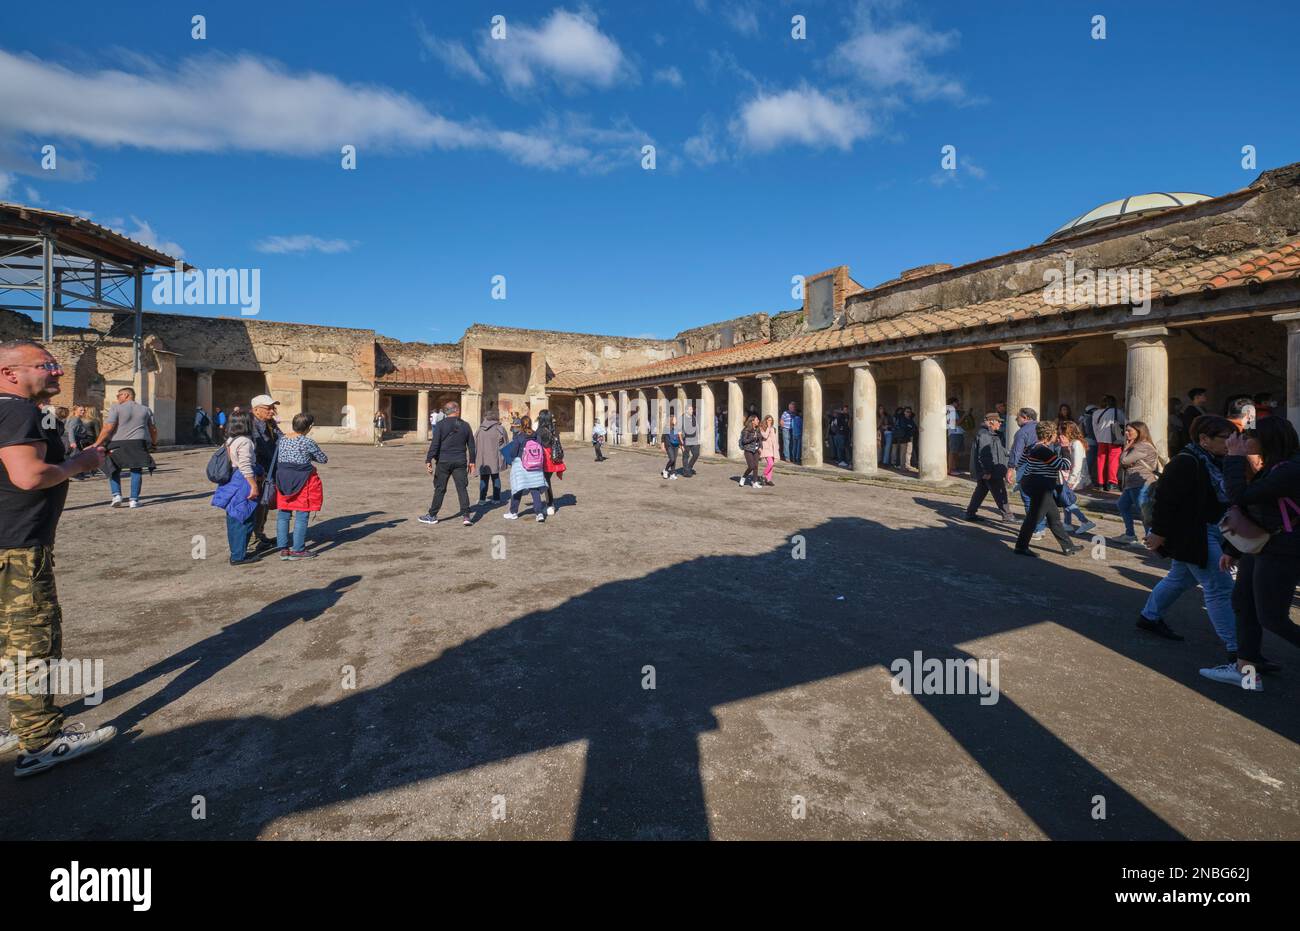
x: 527, y: 459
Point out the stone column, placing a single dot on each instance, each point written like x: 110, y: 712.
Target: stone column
x: 580, y: 418
x: 661, y: 411
x: 203, y: 391
x: 865, y: 451
x: 624, y: 417
x: 643, y: 408
x: 769, y: 404
x: 422, y: 415
x: 1147, y: 384
x: 1024, y: 384
x: 812, y: 417
x: 1292, y: 323
x: 932, y: 451
x: 471, y: 409
x: 682, y: 401
x: 735, y: 419
x: 612, y: 411
x: 704, y: 414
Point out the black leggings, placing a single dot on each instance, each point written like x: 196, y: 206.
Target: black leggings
x: 483, y: 476
x: 1262, y: 599
x: 550, y: 495
x: 751, y: 464
x: 1041, y: 505
x: 672, y: 459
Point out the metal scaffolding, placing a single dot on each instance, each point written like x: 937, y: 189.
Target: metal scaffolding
x: 73, y: 265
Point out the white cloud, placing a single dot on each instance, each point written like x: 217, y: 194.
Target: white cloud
x: 894, y: 56
x: 804, y: 116
x: 33, y: 196
x: 218, y: 103
x: 743, y: 19
x: 704, y: 148
x: 670, y: 75
x: 280, y: 245
x: 965, y: 166
x: 144, y: 232
x: 569, y: 48
x: 6, y: 182
x: 453, y: 55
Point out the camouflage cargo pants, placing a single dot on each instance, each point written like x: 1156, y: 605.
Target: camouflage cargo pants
x: 31, y: 626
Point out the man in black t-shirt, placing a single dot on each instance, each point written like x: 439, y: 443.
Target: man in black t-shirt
x: 33, y: 486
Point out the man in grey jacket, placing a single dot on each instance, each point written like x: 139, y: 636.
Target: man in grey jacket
x: 690, y: 440
x: 988, y: 465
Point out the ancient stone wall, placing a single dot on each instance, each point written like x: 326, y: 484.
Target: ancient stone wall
x: 393, y: 354
x: 724, y: 334
x: 564, y: 353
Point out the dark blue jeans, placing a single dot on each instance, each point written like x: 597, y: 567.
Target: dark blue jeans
x: 115, y: 482
x: 237, y: 535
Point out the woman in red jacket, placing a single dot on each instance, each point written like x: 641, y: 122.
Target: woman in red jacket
x: 298, y: 488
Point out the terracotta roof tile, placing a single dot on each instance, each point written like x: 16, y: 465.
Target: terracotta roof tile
x: 419, y: 375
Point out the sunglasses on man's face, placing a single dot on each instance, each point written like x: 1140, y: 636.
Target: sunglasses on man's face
x: 47, y: 366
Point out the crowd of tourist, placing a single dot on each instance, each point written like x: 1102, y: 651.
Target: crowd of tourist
x: 1224, y: 509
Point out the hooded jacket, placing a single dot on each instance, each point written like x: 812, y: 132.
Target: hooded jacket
x: 490, y: 439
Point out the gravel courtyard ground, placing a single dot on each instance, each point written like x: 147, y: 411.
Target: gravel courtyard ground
x: 500, y: 672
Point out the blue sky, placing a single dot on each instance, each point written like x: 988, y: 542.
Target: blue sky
x: 522, y: 157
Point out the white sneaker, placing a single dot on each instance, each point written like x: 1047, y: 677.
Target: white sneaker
x: 550, y: 510
x: 116, y: 502
x: 135, y: 503
x: 1127, y: 539
x: 1085, y: 528
x: 1228, y: 673
x: 1038, y: 536
x: 742, y: 481
x: 73, y: 741
x: 7, y: 741
x: 664, y: 473
x: 756, y: 485
x: 541, y: 518
x: 673, y: 476
x: 509, y: 516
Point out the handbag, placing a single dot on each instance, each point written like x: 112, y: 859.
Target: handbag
x: 1242, y: 532
x: 269, y: 496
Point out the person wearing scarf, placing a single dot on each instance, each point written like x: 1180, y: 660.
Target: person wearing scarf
x: 1190, y: 500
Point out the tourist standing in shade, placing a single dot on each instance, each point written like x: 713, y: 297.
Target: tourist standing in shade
x: 128, y: 431
x: 796, y: 436
x: 988, y: 465
x: 1140, y: 463
x: 1108, y: 427
x: 770, y: 451
x: 488, y: 443
x: 787, y: 431
x: 1041, y: 468
x: 884, y: 435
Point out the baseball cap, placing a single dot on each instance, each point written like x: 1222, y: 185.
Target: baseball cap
x: 263, y: 400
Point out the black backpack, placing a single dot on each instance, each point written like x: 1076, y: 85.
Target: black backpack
x: 220, y: 469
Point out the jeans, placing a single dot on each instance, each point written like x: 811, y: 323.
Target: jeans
x: 237, y: 535
x: 785, y: 444
x: 838, y: 444
x: 1128, y: 507
x: 458, y: 472
x: 483, y: 476
x: 689, y: 457
x: 886, y: 443
x: 1262, y: 599
x: 796, y: 447
x: 1216, y: 588
x: 671, y: 467
x: 115, y: 482
x: 518, y: 496
x: 300, y: 519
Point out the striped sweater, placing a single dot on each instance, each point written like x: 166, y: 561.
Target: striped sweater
x: 1044, y: 461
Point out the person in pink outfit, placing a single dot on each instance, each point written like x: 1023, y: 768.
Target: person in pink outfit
x: 771, y: 447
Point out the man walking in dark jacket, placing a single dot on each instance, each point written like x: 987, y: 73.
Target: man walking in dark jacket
x: 988, y: 463
x: 451, y: 455
x: 690, y: 441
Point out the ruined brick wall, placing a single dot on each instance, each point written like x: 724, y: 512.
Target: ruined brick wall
x: 565, y: 353
x: 1267, y: 218
x: 14, y: 325
x: 786, y: 324
x: 723, y: 334
x: 395, y: 354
